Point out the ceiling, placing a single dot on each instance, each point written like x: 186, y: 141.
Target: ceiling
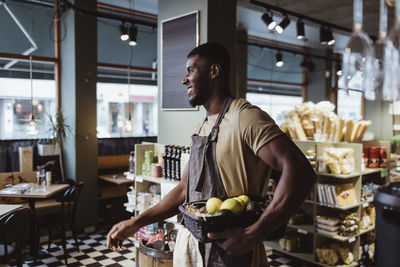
x: 339, y: 12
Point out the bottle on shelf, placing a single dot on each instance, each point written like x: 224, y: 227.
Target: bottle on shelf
x: 165, y: 162
x: 178, y: 164
x: 172, y: 163
x: 364, y: 259
x: 132, y: 162
x: 168, y: 160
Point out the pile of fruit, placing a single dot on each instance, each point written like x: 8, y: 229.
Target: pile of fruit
x: 235, y: 205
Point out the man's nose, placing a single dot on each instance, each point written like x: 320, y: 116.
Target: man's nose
x: 184, y: 80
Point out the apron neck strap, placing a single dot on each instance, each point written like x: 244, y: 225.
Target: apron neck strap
x: 214, y: 132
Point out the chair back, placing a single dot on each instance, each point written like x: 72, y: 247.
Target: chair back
x: 69, y: 201
x: 12, y: 228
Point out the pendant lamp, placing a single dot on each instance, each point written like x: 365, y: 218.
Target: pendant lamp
x: 31, y: 129
x: 128, y: 122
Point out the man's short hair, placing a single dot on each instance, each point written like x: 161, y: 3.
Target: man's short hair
x: 216, y: 53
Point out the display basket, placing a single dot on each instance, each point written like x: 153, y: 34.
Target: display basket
x: 199, y: 226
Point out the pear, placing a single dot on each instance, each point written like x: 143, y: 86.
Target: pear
x: 213, y: 205
x: 233, y: 205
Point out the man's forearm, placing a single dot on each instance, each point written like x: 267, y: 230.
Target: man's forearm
x: 294, y: 185
x: 168, y: 207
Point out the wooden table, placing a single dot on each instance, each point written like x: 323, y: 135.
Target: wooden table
x: 7, y: 208
x: 36, y: 193
x: 116, y: 179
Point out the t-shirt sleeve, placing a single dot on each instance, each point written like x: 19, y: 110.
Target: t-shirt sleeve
x: 257, y: 128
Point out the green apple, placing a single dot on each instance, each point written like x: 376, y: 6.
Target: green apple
x: 245, y: 199
x: 233, y: 205
x: 213, y: 204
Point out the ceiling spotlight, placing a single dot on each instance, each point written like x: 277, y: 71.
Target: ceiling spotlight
x: 284, y: 23
x: 339, y: 71
x: 124, y: 32
x: 132, y: 35
x: 267, y: 19
x: 279, y: 60
x: 331, y: 39
x: 300, y: 30
x: 323, y: 35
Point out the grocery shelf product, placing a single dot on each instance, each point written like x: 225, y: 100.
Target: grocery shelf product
x: 309, y: 121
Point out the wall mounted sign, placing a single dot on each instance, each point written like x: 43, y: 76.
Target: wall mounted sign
x: 179, y: 36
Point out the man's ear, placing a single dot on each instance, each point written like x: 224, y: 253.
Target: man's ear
x: 215, y: 71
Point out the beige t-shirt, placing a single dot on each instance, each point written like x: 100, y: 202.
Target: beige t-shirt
x: 243, y: 131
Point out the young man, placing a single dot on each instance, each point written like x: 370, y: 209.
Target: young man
x: 233, y: 152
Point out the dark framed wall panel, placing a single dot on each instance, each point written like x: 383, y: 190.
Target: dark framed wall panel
x: 179, y: 37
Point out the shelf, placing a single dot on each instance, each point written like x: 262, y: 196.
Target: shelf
x: 302, y: 228
x: 140, y: 178
x: 371, y: 170
x: 347, y: 207
x: 369, y: 229
x: 340, y: 238
x: 366, y: 203
x: 303, y: 256
x: 353, y: 264
x: 339, y: 176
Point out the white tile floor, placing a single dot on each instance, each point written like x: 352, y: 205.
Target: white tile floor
x: 93, y: 252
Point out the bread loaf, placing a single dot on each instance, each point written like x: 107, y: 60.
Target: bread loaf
x: 349, y: 130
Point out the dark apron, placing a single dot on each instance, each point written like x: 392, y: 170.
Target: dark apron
x: 204, y: 181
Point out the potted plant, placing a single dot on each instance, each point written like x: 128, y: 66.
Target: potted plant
x: 59, y: 128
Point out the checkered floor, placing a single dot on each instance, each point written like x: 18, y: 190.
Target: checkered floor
x: 93, y: 252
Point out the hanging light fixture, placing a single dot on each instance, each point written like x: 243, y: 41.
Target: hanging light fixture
x: 268, y: 20
x: 128, y: 122
x: 331, y: 39
x: 31, y: 129
x: 282, y: 26
x: 323, y: 35
x: 124, y: 32
x: 279, y: 60
x: 133, y: 30
x: 300, y: 30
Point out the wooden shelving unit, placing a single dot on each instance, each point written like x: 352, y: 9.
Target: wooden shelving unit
x: 313, y: 207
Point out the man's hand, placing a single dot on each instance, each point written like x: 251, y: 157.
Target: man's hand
x: 236, y: 241
x: 119, y: 232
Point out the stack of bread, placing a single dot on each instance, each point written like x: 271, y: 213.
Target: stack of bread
x: 292, y: 243
x: 309, y: 121
x: 327, y: 225
x: 332, y: 254
x: 348, y: 224
x: 367, y: 217
x: 337, y: 160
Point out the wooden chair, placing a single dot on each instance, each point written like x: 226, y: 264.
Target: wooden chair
x: 69, y: 202
x: 12, y: 229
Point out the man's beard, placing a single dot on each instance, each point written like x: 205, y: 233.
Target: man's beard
x: 199, y: 99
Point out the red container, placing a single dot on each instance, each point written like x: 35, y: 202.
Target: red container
x: 383, y: 157
x: 366, y: 150
x: 373, y: 157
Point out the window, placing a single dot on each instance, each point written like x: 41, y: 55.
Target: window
x: 114, y: 106
x: 349, y: 104
x: 15, y: 108
x: 277, y: 106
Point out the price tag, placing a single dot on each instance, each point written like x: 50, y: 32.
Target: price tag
x: 384, y: 173
x: 139, y: 178
x: 302, y: 231
x: 365, y: 204
x: 352, y: 239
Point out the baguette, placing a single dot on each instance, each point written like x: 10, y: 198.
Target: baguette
x: 339, y: 131
x: 325, y: 127
x: 356, y: 131
x: 349, y: 130
x: 366, y: 125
